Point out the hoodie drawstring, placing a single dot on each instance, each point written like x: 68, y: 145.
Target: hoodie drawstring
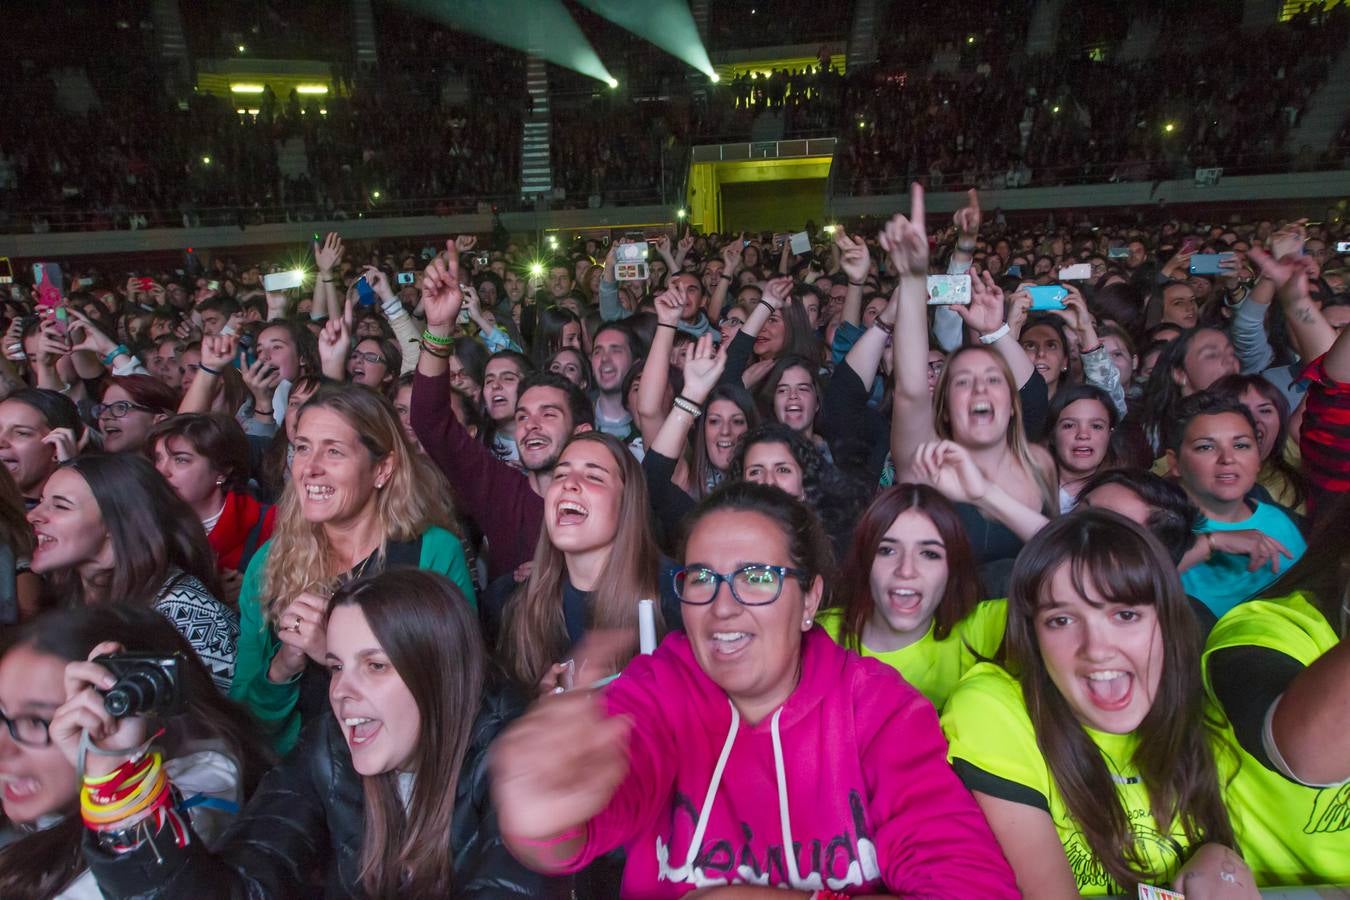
x: 780, y: 771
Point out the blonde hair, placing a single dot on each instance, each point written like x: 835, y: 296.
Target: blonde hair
x: 1017, y: 443
x: 415, y: 498
x: 534, y: 634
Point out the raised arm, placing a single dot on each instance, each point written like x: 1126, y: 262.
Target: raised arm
x: 441, y: 300
x: 701, y: 373
x: 1288, y: 277
x: 986, y: 317
x: 335, y: 342
x: 855, y: 261
x: 967, y: 221
x: 731, y: 264
x: 651, y: 411
x: 327, y: 256
x: 906, y: 243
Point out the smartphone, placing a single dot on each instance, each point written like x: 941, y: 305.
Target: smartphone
x: 1341, y: 247
x: 1209, y: 264
x: 800, y: 243
x: 1047, y: 297
x: 948, y: 290
x: 62, y: 321
x: 365, y: 294
x: 481, y: 259
x: 6, y: 271
x: 145, y: 284
x: 1013, y: 271
x: 48, y: 283
x: 406, y: 277
x: 283, y: 281
x: 213, y: 285
x: 463, y: 318
x: 630, y: 261
x: 1117, y: 252
x: 1076, y: 272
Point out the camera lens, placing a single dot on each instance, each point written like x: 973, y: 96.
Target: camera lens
x: 138, y: 693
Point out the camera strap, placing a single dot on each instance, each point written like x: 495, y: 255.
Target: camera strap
x: 87, y: 746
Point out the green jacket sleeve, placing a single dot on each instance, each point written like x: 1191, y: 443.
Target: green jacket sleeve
x: 443, y: 553
x: 272, y: 704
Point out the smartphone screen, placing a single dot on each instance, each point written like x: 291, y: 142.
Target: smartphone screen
x: 48, y: 282
x: 365, y: 294
x: 1047, y: 297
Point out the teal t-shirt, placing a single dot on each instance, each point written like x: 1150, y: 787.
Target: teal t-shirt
x: 1223, y: 581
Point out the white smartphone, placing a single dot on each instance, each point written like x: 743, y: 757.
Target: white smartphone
x: 283, y: 281
x: 1076, y: 272
x: 948, y: 290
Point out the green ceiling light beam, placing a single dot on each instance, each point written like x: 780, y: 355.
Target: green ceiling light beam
x: 666, y: 23
x: 539, y: 27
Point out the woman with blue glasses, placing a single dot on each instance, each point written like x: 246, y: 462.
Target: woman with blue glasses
x: 750, y: 749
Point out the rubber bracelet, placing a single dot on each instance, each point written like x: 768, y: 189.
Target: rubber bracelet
x: 966, y: 248
x: 689, y: 406
x: 666, y: 325
x: 115, y: 352
x: 207, y: 369
x: 437, y: 339
x: 1100, y: 345
x: 856, y: 283
x: 996, y: 335
x: 766, y: 304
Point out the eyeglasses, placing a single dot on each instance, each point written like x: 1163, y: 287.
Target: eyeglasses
x: 757, y: 584
x: 28, y: 730
x: 372, y: 358
x: 117, y: 409
x: 935, y: 368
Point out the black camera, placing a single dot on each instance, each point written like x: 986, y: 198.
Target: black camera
x: 147, y: 685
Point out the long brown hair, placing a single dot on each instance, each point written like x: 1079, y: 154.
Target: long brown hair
x: 301, y: 557
x: 1126, y: 565
x: 1018, y: 444
x: 534, y: 634
x: 963, y: 581
x: 153, y: 532
x: 429, y: 632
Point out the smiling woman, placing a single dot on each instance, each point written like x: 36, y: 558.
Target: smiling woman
x: 359, y: 500
x: 675, y: 761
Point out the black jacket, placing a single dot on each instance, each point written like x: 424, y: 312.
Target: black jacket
x: 301, y: 833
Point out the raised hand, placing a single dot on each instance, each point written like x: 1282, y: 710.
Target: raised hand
x: 777, y: 290
x: 906, y: 240
x: 1075, y: 314
x: 556, y: 767
x: 967, y: 219
x: 703, y: 368
x: 686, y: 244
x: 669, y: 306
x: 853, y: 256
x: 949, y: 467
x: 441, y: 293
x: 985, y: 312
x: 328, y: 254
x: 756, y: 372
x: 14, y: 341
x: 1019, y: 305
x: 261, y: 378
x: 379, y: 282
x: 219, y: 350
x: 464, y: 243
x: 63, y: 443
x: 1260, y: 549
x: 335, y: 342
x: 83, y: 712
x: 731, y: 256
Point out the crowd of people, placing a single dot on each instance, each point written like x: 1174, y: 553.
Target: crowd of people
x: 953, y: 100
x: 457, y: 574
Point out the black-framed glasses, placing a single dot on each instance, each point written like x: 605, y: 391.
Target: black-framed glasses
x: 28, y: 730
x: 756, y: 584
x: 371, y: 358
x: 117, y: 409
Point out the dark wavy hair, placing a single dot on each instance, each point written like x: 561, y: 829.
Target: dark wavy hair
x: 1124, y: 565
x: 837, y: 499
x: 703, y: 471
x: 1173, y: 517
x: 1233, y: 387
x: 40, y: 865
x: 963, y: 581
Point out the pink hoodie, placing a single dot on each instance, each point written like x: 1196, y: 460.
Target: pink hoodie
x: 851, y: 772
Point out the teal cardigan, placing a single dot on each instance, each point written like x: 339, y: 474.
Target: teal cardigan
x: 273, y: 704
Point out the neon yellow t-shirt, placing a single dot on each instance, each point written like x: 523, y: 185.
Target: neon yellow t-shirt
x: 1289, y: 834
x: 990, y: 732
x: 932, y: 666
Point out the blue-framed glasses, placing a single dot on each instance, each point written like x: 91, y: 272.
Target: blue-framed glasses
x: 756, y: 584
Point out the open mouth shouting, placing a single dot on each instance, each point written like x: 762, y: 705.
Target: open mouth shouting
x: 1110, y: 690
x: 729, y: 643
x: 360, y: 730
x: 570, y: 512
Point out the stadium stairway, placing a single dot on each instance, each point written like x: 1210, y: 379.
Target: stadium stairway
x: 536, y: 172
x: 363, y: 36
x: 699, y: 10
x: 862, y: 36
x: 173, y: 48
x: 1327, y: 109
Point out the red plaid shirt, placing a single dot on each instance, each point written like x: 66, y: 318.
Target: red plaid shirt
x: 1325, y: 438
